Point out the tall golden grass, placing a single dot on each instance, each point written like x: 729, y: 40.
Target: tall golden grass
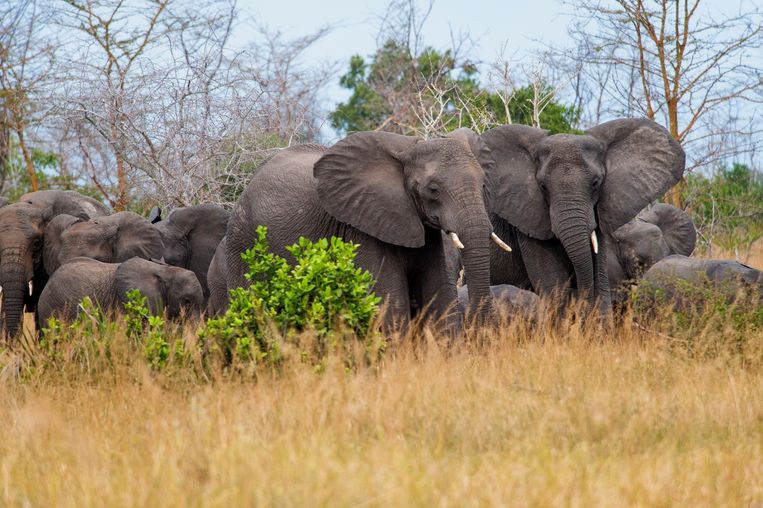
x: 577, y: 413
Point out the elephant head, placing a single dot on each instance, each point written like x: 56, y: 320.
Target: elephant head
x: 190, y: 237
x: 657, y: 232
x: 111, y: 239
x: 169, y: 289
x: 22, y: 227
x: 391, y: 187
x: 581, y: 188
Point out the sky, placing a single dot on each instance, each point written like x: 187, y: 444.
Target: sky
x: 519, y: 25
x: 514, y: 28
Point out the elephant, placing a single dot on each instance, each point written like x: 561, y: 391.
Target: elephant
x: 555, y: 199
x: 3, y: 201
x: 111, y: 239
x: 507, y: 299
x: 393, y: 195
x: 22, y: 227
x: 191, y: 235
x: 674, y: 275
x: 166, y: 288
x: 217, y: 303
x: 655, y: 233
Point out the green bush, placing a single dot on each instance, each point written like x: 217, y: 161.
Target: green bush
x: 727, y: 207
x: 322, y: 293
x: 705, y: 317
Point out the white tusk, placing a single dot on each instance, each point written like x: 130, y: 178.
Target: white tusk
x: 30, y: 288
x: 500, y: 242
x: 594, y: 242
x: 456, y: 241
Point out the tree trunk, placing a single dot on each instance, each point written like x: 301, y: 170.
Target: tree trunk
x: 35, y: 186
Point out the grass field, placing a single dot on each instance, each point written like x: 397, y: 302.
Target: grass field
x: 569, y: 415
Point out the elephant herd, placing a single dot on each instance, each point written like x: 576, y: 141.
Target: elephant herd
x: 513, y: 213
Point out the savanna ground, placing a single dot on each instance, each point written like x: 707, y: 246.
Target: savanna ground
x: 657, y: 413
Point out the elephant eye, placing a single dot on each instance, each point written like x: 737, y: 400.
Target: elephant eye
x: 433, y: 190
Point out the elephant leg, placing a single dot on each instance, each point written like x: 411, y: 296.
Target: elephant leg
x: 392, y: 286
x: 433, y: 284
x: 507, y: 267
x: 549, y: 270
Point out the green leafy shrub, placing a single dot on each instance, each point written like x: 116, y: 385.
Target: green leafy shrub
x: 322, y: 293
x: 703, y: 316
x: 727, y: 207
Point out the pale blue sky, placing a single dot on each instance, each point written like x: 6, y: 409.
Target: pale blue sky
x: 490, y: 22
x: 520, y: 25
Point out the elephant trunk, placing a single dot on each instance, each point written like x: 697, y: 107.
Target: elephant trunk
x: 14, y: 284
x: 475, y: 229
x: 573, y: 226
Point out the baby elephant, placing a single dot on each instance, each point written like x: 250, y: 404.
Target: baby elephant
x: 657, y: 232
x: 674, y: 275
x: 507, y: 299
x: 166, y: 288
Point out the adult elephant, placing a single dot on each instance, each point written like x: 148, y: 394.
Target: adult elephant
x: 556, y: 198
x: 390, y: 193
x: 191, y: 235
x: 166, y: 288
x: 22, y: 227
x: 111, y: 239
x: 655, y: 233
x: 217, y: 303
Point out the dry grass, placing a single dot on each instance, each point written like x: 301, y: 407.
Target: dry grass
x: 590, y: 416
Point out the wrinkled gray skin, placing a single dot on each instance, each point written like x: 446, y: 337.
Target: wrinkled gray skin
x: 674, y: 272
x: 111, y: 239
x: 166, y: 288
x: 191, y: 235
x: 22, y: 227
x: 657, y: 232
x: 217, y: 303
x: 550, y: 192
x: 391, y: 194
x: 507, y: 300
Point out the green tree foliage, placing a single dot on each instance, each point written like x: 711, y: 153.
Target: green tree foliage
x: 387, y: 90
x: 727, y: 207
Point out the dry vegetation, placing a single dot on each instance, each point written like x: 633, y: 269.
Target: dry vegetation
x: 573, y: 415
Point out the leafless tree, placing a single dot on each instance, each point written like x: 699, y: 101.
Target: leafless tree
x: 157, y: 105
x: 668, y: 60
x: 26, y: 60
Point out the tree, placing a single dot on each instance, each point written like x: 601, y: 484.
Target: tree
x: 667, y: 60
x: 26, y: 60
x: 410, y: 88
x: 727, y: 206
x: 432, y: 92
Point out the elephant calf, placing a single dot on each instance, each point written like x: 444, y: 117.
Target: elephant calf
x: 680, y: 278
x: 169, y: 288
x: 508, y: 299
x: 657, y: 232
x: 190, y: 236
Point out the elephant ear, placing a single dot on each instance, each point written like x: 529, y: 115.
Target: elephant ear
x: 361, y: 182
x: 136, y: 237
x: 642, y: 160
x: 676, y: 226
x: 52, y: 240
x: 143, y: 275
x: 516, y: 195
